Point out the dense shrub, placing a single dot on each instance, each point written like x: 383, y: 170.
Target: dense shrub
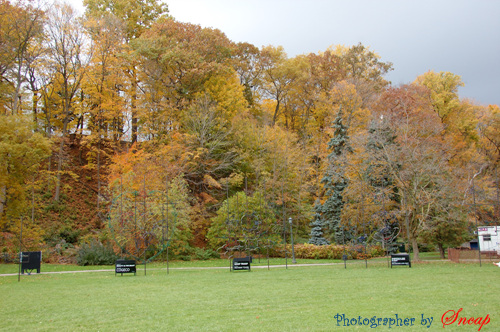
x: 180, y: 250
x: 424, y: 247
x: 69, y: 235
x: 95, y: 253
x: 187, y: 253
x: 331, y: 251
x: 205, y: 254
x: 8, y: 258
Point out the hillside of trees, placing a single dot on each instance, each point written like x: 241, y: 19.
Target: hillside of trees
x: 126, y: 100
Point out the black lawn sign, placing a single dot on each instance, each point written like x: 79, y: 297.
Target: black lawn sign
x: 125, y: 266
x: 400, y: 259
x: 242, y: 264
x: 30, y: 260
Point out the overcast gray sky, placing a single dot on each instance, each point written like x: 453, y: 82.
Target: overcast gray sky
x: 459, y: 36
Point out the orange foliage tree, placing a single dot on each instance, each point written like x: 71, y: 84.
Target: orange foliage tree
x: 148, y: 210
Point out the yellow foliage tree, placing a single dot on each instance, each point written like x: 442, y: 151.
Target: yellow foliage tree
x: 21, y: 152
x: 225, y: 89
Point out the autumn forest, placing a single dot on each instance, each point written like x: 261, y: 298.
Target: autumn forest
x: 124, y: 108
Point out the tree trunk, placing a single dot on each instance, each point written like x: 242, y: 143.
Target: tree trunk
x: 34, y: 106
x: 59, y: 167
x: 3, y: 197
x: 17, y: 98
x: 33, y: 200
x: 441, y: 250
x: 99, y: 176
x: 79, y: 124
x: 497, y: 212
x: 134, y: 126
x: 60, y: 160
x: 276, y: 112
x: 133, y: 107
x: 415, y: 249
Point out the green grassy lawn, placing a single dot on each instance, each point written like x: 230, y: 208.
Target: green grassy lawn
x: 279, y: 299
x: 13, y: 268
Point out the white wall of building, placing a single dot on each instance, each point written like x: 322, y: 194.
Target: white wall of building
x: 489, y: 238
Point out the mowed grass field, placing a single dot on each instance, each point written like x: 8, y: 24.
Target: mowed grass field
x: 299, y: 298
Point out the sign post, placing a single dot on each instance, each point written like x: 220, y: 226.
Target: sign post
x: 400, y: 259
x: 30, y: 260
x: 20, y: 252
x: 125, y: 266
x: 242, y: 264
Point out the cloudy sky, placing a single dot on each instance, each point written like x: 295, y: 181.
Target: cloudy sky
x: 459, y: 36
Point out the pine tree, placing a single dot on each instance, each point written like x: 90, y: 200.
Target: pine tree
x: 316, y: 236
x: 334, y: 180
x: 332, y: 207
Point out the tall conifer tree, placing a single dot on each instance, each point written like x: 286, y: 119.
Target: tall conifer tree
x: 334, y: 180
x: 317, y: 226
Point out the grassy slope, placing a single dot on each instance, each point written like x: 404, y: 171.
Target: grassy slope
x: 300, y: 298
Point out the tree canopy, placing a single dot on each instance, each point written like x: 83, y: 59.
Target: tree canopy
x: 126, y: 92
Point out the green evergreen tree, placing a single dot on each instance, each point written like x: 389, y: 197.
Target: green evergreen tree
x: 332, y: 207
x: 316, y: 236
x: 334, y: 180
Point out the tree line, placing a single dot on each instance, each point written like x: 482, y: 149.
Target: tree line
x: 322, y: 138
